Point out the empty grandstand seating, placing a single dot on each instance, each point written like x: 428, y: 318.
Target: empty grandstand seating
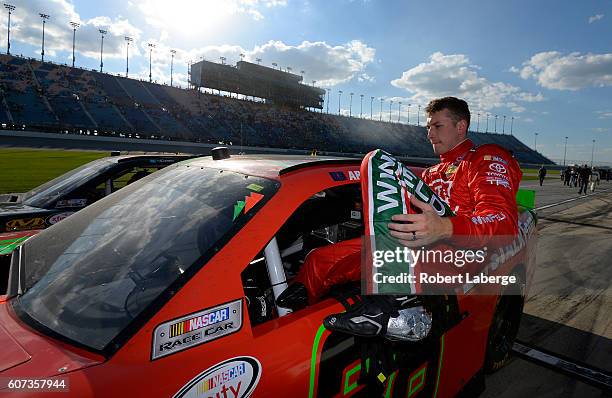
x: 50, y: 97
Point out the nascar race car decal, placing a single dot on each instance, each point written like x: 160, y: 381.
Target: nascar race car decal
x: 195, y: 329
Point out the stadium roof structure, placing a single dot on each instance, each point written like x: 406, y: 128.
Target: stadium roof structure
x: 246, y: 78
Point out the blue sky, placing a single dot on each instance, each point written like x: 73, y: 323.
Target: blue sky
x: 547, y: 64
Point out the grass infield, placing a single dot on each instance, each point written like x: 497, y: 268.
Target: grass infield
x: 24, y: 169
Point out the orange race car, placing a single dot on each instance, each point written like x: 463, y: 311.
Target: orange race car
x: 168, y: 287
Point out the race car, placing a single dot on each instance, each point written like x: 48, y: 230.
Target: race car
x: 24, y: 214
x: 168, y: 287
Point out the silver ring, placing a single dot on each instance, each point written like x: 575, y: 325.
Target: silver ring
x: 414, y: 235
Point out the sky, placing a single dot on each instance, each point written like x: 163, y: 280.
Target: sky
x: 544, y: 65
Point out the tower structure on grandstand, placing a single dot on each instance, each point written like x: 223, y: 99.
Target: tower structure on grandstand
x: 246, y: 78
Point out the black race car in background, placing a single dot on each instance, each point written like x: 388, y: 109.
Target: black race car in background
x: 25, y: 214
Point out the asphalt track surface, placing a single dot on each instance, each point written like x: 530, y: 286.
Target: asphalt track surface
x: 568, y: 310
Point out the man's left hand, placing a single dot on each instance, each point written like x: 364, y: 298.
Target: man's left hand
x: 420, y: 229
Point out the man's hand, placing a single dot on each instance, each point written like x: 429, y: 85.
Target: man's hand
x: 423, y: 229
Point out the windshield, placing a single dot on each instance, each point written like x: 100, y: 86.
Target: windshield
x: 89, y: 276
x: 43, y: 194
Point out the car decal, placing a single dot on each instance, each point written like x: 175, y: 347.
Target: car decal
x: 237, y: 376
x: 58, y: 217
x: 351, y: 175
x: 338, y: 375
x: 243, y: 206
x: 71, y: 203
x: 197, y: 328
x: 25, y: 224
x: 255, y: 187
x: 439, y: 366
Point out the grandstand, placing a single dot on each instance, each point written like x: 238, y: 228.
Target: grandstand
x: 43, y: 96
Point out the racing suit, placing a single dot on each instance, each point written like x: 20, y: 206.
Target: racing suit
x: 479, y: 185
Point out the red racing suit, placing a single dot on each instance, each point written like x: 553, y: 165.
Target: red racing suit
x: 480, y: 186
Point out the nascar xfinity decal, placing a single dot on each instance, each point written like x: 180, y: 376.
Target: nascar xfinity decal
x: 58, y: 217
x: 243, y: 206
x: 236, y: 378
x: 71, y: 203
x: 197, y: 328
x: 24, y: 224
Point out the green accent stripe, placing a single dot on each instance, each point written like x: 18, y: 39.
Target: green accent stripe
x: 439, y: 365
x: 313, y: 360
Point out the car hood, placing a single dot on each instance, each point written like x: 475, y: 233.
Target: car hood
x: 26, y: 353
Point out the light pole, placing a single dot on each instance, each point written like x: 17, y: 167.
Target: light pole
x: 361, y: 107
x: 399, y: 112
x: 511, y: 124
x: 496, y: 124
x: 42, y: 52
x: 74, y: 25
x: 172, y: 65
x: 565, y: 152
x: 592, y: 154
x: 478, y: 124
x: 351, y: 105
x: 241, y: 57
x: 418, y: 116
x: 535, y: 142
x: 102, y: 33
x: 371, y: 108
x: 128, y: 40
x: 390, y: 105
x: 504, y: 125
x: 258, y: 60
x: 339, y: 96
x: 151, y: 47
x: 409, y: 105
x: 328, y: 94
x: 487, y: 128
x: 10, y: 9
x: 380, y: 115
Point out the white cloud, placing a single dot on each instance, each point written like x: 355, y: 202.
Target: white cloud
x: 326, y: 64
x: 453, y: 75
x: 601, y: 130
x: 595, y: 18
x: 604, y: 114
x: 26, y: 27
x: 574, y: 71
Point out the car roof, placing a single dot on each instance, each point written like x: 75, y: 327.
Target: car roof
x: 270, y: 166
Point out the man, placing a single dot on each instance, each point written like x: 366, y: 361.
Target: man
x: 542, y: 174
x: 584, y: 176
x: 479, y: 184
